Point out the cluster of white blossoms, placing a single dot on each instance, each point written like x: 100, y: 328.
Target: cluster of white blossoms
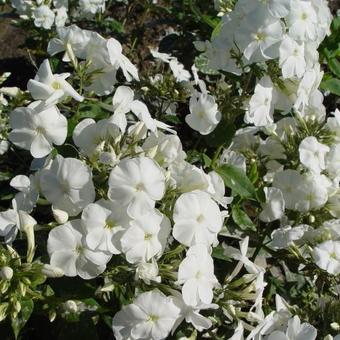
x: 46, y: 14
x: 133, y: 206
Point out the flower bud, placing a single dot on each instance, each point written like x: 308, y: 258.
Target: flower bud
x: 70, y: 306
x: 60, y: 216
x: 6, y: 273
x: 51, y: 271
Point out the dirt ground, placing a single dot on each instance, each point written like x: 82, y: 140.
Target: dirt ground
x: 15, y: 58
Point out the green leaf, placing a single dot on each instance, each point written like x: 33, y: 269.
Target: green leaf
x: 19, y: 322
x: 332, y: 85
x: 4, y: 176
x: 242, y: 219
x: 334, y: 66
x: 235, y: 179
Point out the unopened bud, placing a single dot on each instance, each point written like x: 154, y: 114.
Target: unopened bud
x: 335, y: 326
x: 60, y: 216
x: 70, y: 306
x: 51, y: 271
x: 6, y: 273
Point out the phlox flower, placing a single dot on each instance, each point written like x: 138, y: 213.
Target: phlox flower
x: 144, y: 239
x: 188, y: 177
x: 90, y: 136
x: 274, y: 207
x: 286, y: 236
x: 67, y: 185
x: 166, y: 148
x: 43, y: 17
x: 137, y: 183
x: 292, y: 58
x: 260, y: 36
x: 302, y: 20
x: 197, y: 218
x: 28, y: 193
x: 148, y: 272
x: 191, y: 314
x: 204, y: 115
x: 37, y: 128
x: 295, y: 331
x: 68, y: 250
x: 333, y: 161
x: 151, y: 316
x: 196, y: 274
x: 50, y: 87
x: 72, y: 40
x: 104, y: 223
x: 123, y: 102
x: 327, y: 256
x: 262, y: 103
x: 91, y: 7
x: 312, y: 154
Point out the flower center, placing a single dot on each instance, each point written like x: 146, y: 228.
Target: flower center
x: 304, y: 16
x: 56, y: 85
x: 79, y: 249
x: 140, y: 187
x: 147, y: 236
x: 200, y: 218
x: 110, y: 224
x: 333, y: 255
x: 40, y: 130
x: 260, y: 36
x: 153, y: 318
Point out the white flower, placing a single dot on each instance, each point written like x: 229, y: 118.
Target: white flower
x: 312, y: 154
x: 68, y: 251
x: 288, y: 181
x: 142, y: 240
x: 259, y: 36
x: 37, y: 128
x: 279, y: 8
x: 261, y: 105
x: 302, y: 20
x: 148, y: 271
x: 241, y: 256
x: 72, y: 40
x: 327, y: 256
x: 67, y: 184
x: 90, y: 136
x: 191, y: 314
x: 104, y: 223
x: 197, y: 219
x: 151, y: 316
x: 123, y: 103
x: 286, y: 236
x: 292, y: 58
x: 118, y: 59
x: 13, y: 220
x: 188, y: 177
x: 274, y: 207
x: 91, y: 7
x: 178, y: 70
x: 166, y: 148
x: 333, y: 161
x: 204, y: 115
x: 51, y: 88
x: 137, y: 183
x: 28, y: 192
x: 196, y: 274
x: 295, y: 331
x: 61, y: 16
x: 43, y: 17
